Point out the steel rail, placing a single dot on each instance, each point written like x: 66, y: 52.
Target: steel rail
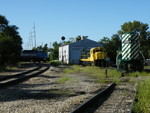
x: 89, y: 102
x: 21, y: 79
x: 19, y: 74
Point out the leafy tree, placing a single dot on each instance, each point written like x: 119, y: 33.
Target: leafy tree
x: 55, y: 51
x: 3, y: 23
x: 142, y: 28
x: 44, y: 48
x: 10, y: 43
x: 67, y: 42
x: 81, y: 37
x: 37, y: 48
x: 111, y: 46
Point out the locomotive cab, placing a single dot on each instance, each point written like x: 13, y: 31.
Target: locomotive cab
x: 129, y: 57
x: 96, y: 56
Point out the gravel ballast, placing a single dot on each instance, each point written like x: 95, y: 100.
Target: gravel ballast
x: 44, y: 94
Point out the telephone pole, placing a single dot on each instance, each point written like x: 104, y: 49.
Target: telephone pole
x: 34, y: 35
x: 31, y: 40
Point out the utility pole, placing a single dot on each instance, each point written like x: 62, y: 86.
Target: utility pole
x: 34, y: 35
x: 50, y: 44
x: 28, y: 44
x: 31, y: 40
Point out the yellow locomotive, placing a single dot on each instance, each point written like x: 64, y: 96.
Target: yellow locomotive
x: 96, y: 56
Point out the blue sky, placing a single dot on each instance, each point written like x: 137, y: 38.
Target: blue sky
x: 70, y: 18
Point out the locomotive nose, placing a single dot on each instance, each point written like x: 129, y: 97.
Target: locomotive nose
x: 99, y: 55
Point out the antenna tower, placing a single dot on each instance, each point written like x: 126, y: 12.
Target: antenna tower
x: 34, y: 35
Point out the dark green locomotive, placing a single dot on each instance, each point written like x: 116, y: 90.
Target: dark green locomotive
x: 129, y: 57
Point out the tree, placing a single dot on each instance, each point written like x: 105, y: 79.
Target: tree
x: 144, y: 34
x: 10, y: 43
x: 81, y: 37
x: 111, y: 46
x: 44, y: 48
x: 55, y: 51
x: 3, y: 23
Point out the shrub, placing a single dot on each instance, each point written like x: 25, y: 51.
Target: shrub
x: 55, y: 63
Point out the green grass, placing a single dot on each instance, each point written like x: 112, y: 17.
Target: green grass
x: 11, y: 68
x: 96, y: 72
x: 3, y: 69
x: 63, y: 80
x: 73, y: 69
x: 55, y: 63
x: 142, y: 105
x: 146, y: 67
x: 60, y: 92
x: 136, y: 74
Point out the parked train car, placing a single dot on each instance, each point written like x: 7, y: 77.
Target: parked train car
x: 96, y: 56
x: 129, y: 56
x: 34, y: 55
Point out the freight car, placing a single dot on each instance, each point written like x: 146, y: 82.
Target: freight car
x: 129, y: 56
x: 96, y: 56
x: 34, y: 55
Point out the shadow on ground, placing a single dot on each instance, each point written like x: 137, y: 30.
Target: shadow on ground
x: 25, y: 91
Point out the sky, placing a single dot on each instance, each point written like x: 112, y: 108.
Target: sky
x: 71, y: 18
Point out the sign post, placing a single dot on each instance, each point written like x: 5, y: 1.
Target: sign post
x: 62, y: 38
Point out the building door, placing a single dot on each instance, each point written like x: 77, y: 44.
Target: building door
x: 75, y: 56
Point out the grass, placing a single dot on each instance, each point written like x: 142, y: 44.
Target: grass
x: 142, y: 105
x: 11, y: 68
x: 136, y: 74
x: 63, y: 80
x: 54, y: 63
x: 146, y: 67
x: 60, y: 92
x: 101, y: 75
x: 73, y: 69
x: 8, y: 68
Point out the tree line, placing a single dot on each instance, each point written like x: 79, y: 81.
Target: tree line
x: 10, y: 43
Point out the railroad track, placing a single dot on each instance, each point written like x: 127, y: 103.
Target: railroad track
x: 18, y: 78
x: 88, y: 105
x: 113, y: 99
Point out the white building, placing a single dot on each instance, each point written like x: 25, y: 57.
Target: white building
x: 71, y: 53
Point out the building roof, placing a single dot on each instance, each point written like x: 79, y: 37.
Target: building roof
x: 86, y: 43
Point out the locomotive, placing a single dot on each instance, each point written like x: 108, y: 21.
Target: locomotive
x: 96, y: 56
x: 129, y: 56
x: 34, y: 55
